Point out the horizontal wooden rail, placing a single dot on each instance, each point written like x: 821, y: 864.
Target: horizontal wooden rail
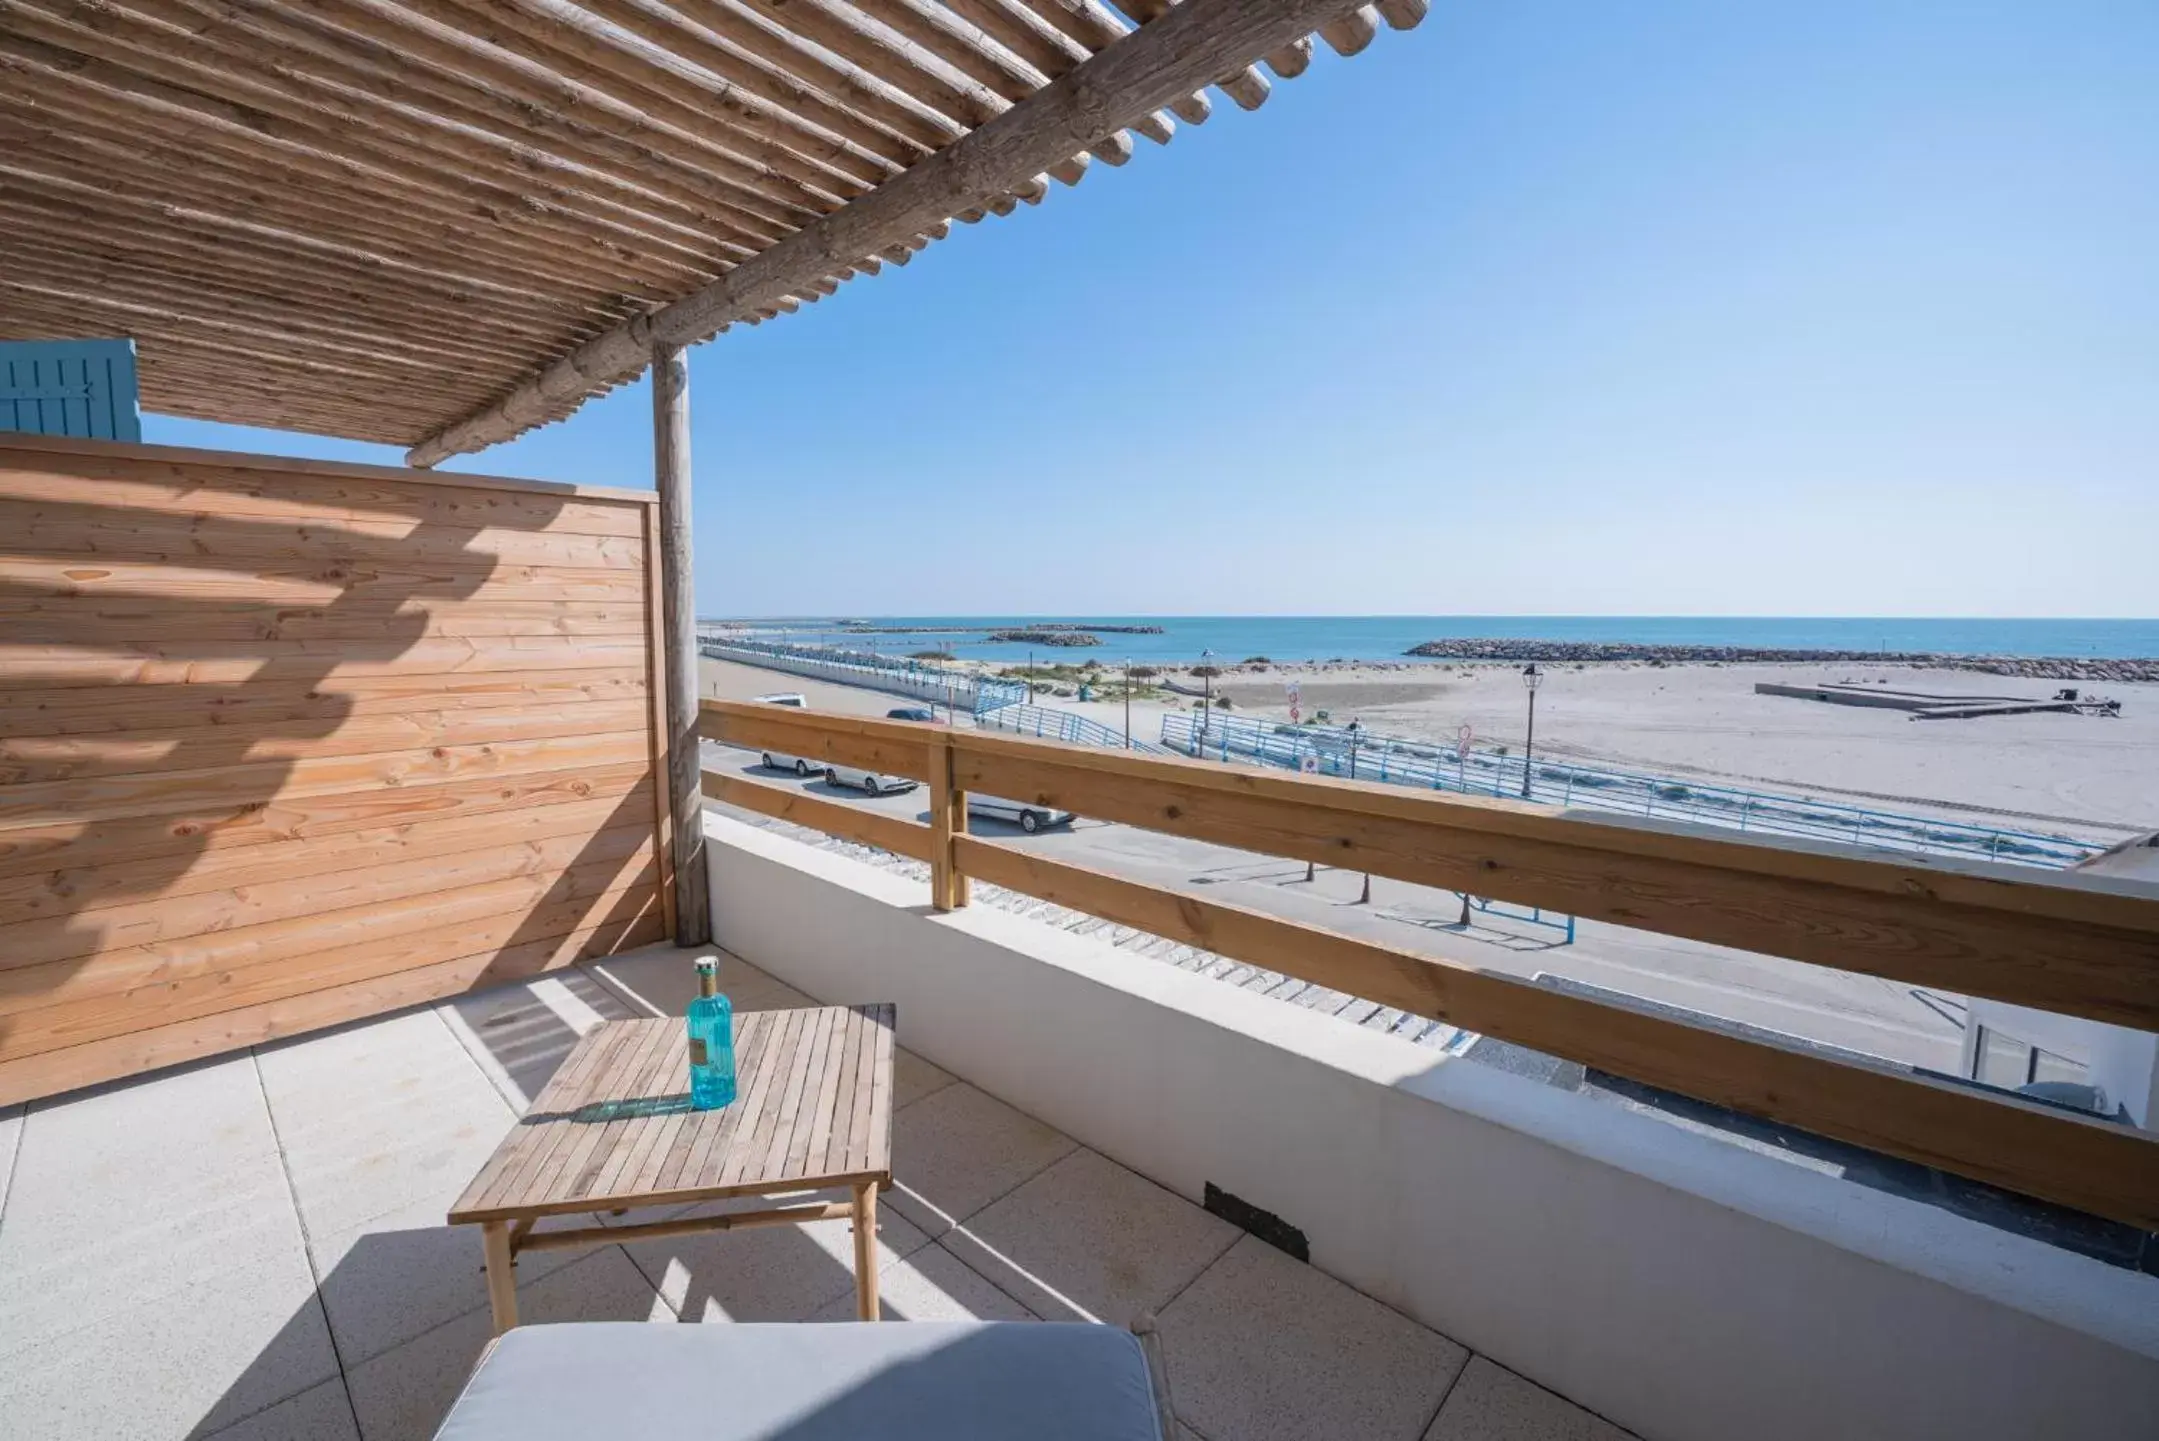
x: 897, y: 748
x: 2076, y: 945
x: 2042, y: 1151
x: 2081, y: 946
x: 786, y: 803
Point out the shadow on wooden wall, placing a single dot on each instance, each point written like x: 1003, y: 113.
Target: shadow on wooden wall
x: 282, y: 748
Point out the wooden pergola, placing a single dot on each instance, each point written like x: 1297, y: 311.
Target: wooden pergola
x: 441, y: 223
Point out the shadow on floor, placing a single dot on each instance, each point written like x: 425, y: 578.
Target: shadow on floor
x: 404, y: 1301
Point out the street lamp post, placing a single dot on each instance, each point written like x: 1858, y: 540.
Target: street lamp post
x: 1530, y: 677
x: 1356, y: 734
x: 1030, y: 675
x: 1128, y: 703
x: 1206, y: 695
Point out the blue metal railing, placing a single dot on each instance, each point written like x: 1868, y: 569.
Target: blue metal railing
x: 981, y: 695
x: 1034, y: 720
x: 1484, y: 771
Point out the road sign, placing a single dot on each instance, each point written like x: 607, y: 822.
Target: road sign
x: 1296, y: 701
x: 1309, y: 765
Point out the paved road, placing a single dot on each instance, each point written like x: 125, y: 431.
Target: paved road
x: 1882, y: 1018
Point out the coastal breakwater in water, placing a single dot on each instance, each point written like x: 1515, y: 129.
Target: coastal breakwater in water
x: 1045, y: 636
x: 1558, y: 652
x: 997, y: 632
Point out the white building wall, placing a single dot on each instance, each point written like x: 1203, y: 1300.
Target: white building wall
x: 1685, y: 1287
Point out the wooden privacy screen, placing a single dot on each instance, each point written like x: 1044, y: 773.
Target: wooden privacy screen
x: 285, y: 743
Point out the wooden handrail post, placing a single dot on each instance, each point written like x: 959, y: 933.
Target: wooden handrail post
x: 678, y: 622
x: 948, y: 818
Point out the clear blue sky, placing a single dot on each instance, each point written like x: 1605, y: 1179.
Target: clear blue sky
x: 1826, y: 309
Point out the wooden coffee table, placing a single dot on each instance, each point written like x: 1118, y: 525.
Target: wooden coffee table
x: 614, y: 1131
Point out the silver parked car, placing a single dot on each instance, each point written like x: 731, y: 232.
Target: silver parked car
x: 877, y: 783
x: 1028, y: 817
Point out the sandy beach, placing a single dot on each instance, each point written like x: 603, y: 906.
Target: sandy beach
x: 2070, y: 771
x: 2084, y: 775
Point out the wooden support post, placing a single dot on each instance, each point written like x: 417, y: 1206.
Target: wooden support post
x: 501, y: 1274
x: 671, y: 477
x: 866, y: 1250
x: 948, y: 818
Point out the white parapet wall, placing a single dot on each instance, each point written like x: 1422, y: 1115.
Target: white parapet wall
x: 1681, y: 1285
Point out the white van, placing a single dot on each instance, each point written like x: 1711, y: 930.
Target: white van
x: 774, y: 760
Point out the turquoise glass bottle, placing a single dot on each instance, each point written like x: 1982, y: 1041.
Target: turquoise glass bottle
x: 712, y: 1042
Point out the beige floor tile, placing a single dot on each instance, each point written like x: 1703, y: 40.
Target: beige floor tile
x: 912, y: 1079
x: 392, y: 1277
x: 321, y: 1414
x: 153, y: 1277
x: 1491, y: 1403
x: 1088, y: 1240
x: 959, y: 1149
x: 378, y: 1117
x: 1265, y: 1348
x: 225, y: 1345
x: 932, y: 1285
x: 769, y: 1273
x: 196, y: 1141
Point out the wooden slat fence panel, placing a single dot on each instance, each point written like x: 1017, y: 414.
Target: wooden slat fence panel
x: 285, y: 744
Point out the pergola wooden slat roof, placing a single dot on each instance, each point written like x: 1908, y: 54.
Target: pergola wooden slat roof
x: 437, y: 223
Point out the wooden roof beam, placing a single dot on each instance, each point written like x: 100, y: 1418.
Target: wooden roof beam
x: 1091, y: 27
x: 1169, y: 57
x: 353, y: 48
x: 1243, y: 84
x: 260, y: 122
x: 940, y: 32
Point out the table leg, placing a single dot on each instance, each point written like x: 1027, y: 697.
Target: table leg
x: 866, y: 1251
x: 501, y: 1274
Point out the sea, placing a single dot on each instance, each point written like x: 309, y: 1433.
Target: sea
x: 1232, y: 638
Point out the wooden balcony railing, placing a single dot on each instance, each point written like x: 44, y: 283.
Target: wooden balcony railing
x: 2080, y: 946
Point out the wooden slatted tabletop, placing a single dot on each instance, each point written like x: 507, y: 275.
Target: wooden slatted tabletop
x: 614, y: 1130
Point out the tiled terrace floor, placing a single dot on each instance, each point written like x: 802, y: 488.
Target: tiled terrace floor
x: 254, y: 1247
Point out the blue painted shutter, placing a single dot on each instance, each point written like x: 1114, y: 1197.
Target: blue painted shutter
x: 82, y: 388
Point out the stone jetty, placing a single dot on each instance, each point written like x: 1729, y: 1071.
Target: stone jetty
x: 863, y: 627
x: 1044, y: 637
x: 1559, y: 652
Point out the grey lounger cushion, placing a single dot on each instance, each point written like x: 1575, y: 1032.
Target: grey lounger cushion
x: 875, y: 1381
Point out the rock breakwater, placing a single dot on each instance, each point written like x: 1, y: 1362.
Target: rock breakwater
x: 1556, y: 652
x: 1044, y: 637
